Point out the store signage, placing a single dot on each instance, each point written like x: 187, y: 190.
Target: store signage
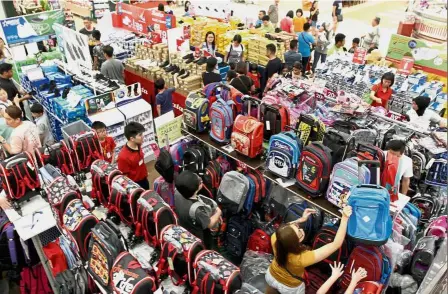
x: 406, y: 65
x: 98, y: 104
x: 31, y: 28
x: 127, y: 94
x: 170, y: 130
x: 359, y: 56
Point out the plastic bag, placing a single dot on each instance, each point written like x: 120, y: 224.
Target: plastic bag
x: 254, y: 264
x: 405, y: 282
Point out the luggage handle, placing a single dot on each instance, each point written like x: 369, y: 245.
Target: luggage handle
x: 374, y: 163
x: 250, y: 100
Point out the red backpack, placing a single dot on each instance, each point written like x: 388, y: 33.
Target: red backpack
x: 389, y: 178
x: 56, y: 257
x: 369, y: 287
x: 34, y: 281
x: 124, y: 194
x: 102, y: 174
x: 58, y: 155
x: 86, y: 148
x: 260, y: 241
x: 260, y: 184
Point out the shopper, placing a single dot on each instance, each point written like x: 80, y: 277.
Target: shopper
x: 322, y: 43
x: 404, y: 171
x: 291, y: 56
x: 107, y: 143
x: 314, y: 13
x: 241, y: 82
x: 170, y: 6
x: 161, y: 7
x: 131, y: 160
x: 210, y: 76
x: 235, y: 51
x: 231, y: 74
x: 295, y: 73
x: 306, y: 40
x: 209, y: 44
x: 338, y: 47
x: 267, y: 27
x: 286, y: 24
x: 187, y: 8
x: 4, y: 102
x: 4, y: 50
x: 88, y: 27
x: 5, y: 130
x: 355, y: 44
x: 25, y: 135
x: 164, y: 97
x: 98, y: 53
x: 42, y: 123
x: 372, y: 38
x: 255, y: 76
x: 299, y: 20
x: 337, y: 14
x: 421, y: 117
x: 382, y: 92
x: 259, y: 21
x: 274, y: 65
x: 273, y: 13
x: 291, y: 257
x: 112, y: 68
x: 7, y: 84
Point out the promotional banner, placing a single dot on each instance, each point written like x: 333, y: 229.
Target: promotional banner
x: 31, y: 28
x: 359, y: 56
x: 406, y: 65
x: 170, y: 131
x: 127, y: 94
x: 99, y: 103
x: 427, y: 57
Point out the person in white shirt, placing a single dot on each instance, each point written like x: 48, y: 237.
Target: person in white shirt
x: 420, y: 117
x: 42, y: 123
x: 372, y: 38
x: 405, y: 171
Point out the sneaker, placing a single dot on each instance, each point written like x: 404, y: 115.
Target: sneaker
x: 185, y: 75
x: 175, y: 70
x: 181, y: 72
x: 188, y: 56
x: 170, y: 68
x: 189, y: 61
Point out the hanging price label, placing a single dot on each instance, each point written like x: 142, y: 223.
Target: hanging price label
x: 406, y: 65
x: 319, y: 96
x: 330, y: 94
x: 359, y: 56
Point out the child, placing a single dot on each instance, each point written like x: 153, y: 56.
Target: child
x: 164, y: 97
x: 43, y: 126
x: 5, y: 130
x: 355, y: 44
x: 336, y: 272
x: 107, y: 143
x: 4, y: 102
x: 254, y: 76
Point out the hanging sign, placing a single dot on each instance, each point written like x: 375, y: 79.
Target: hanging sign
x: 170, y: 130
x: 31, y: 28
x: 359, y: 56
x: 406, y: 65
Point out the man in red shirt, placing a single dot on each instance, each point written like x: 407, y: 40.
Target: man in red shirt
x: 131, y: 158
x: 107, y: 143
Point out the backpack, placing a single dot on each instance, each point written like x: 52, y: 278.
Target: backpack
x: 86, y: 148
x: 315, y: 278
x: 232, y: 191
x: 275, y: 119
x: 365, y: 136
x: 214, y: 274
x: 346, y: 127
x: 211, y: 179
x: 428, y: 205
x: 60, y: 193
x: 128, y: 276
x: 369, y: 287
x: 165, y: 190
x: 257, y: 190
x: 314, y: 169
x: 389, y: 178
x: 72, y: 281
x: 423, y: 256
x: 283, y: 154
x: 56, y: 257
x: 339, y: 143
x: 311, y: 129
x: 278, y: 201
x: 179, y: 250
x: 247, y: 136
x: 214, y: 90
x: 260, y: 241
x: 57, y: 155
x: 104, y: 247
x: 437, y: 174
x: 177, y: 153
x: 238, y: 232
x: 78, y: 222
x: 311, y: 226
x: 345, y: 175
x: 124, y: 194
x: 20, y: 178
x: 196, y: 112
x: 34, y: 281
x: 418, y: 164
x: 438, y: 227
x: 195, y: 159
x: 102, y: 174
x: 12, y: 257
x: 221, y: 117
x: 165, y: 165
x: 371, y: 152
x: 152, y: 215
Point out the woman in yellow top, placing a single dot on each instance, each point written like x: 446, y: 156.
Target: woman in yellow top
x: 298, y: 21
x: 285, y: 274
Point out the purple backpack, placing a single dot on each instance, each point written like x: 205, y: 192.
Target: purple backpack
x: 165, y: 190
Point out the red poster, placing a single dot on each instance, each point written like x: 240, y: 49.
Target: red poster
x: 359, y: 56
x: 187, y: 32
x: 406, y: 65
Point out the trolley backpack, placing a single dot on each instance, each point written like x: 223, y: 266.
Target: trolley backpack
x: 124, y: 194
x: 371, y: 152
x: 423, y: 256
x: 20, y: 179
x: 340, y: 144
x: 195, y: 159
x: 311, y: 226
x: 438, y: 227
x: 370, y: 222
x: 78, y: 222
x: 214, y: 90
x: 152, y: 215
x: 221, y: 117
x: 34, y: 280
x: 427, y: 204
x: 165, y: 165
x: 179, y: 250
x: 60, y: 192
x: 232, y: 191
x: 238, y: 232
x: 275, y: 119
x: 128, y: 276
x: 196, y: 112
x: 314, y: 169
x: 283, y: 154
x: 102, y: 173
x: 104, y: 246
x: 343, y: 177
x: 86, y: 148
x: 311, y: 129
x: 214, y: 274
x: 58, y: 155
x: 165, y: 190
x: 389, y: 177
x: 12, y: 257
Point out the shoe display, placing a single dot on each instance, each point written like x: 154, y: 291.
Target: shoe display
x: 170, y: 68
x: 188, y: 56
x: 175, y: 70
x: 181, y: 72
x: 166, y: 63
x: 185, y: 75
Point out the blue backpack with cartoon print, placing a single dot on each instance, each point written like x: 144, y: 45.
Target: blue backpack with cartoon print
x: 283, y: 154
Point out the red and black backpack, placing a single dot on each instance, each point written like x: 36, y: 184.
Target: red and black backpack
x: 211, y: 179
x: 58, y: 155
x: 60, y: 193
x: 86, y: 149
x: 102, y: 173
x: 152, y: 216
x: 124, y: 194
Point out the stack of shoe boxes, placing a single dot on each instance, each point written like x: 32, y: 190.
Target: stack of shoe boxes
x: 257, y: 50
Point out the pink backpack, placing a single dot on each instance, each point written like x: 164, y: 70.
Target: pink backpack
x: 165, y: 190
x: 438, y: 227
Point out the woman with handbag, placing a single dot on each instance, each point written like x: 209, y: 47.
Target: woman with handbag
x: 337, y: 14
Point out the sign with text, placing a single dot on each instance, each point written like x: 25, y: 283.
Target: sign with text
x: 127, y: 94
x: 406, y: 65
x: 99, y: 103
x: 170, y: 130
x: 359, y: 57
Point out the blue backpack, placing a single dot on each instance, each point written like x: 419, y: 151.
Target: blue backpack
x: 312, y: 225
x: 411, y: 209
x: 221, y: 117
x: 195, y: 113
x: 283, y: 154
x: 250, y: 198
x: 387, y: 269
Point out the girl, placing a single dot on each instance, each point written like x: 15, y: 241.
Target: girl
x: 254, y: 76
x: 421, y: 117
x: 323, y: 40
x: 296, y: 73
x: 209, y: 43
x: 314, y: 12
x: 382, y: 92
x: 299, y: 20
x: 235, y: 51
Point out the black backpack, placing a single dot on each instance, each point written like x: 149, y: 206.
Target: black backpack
x: 57, y: 155
x: 165, y: 166
x: 340, y: 144
x: 195, y: 160
x: 344, y: 126
x: 238, y: 232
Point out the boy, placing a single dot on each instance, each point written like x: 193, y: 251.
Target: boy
x: 42, y: 123
x: 338, y: 47
x: 107, y: 143
x: 111, y: 67
x: 98, y: 54
x: 355, y: 44
x: 164, y: 97
x: 131, y: 160
x: 405, y: 170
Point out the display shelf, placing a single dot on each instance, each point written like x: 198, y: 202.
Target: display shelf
x: 252, y: 163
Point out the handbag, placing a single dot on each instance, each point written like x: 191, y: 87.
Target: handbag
x: 340, y: 17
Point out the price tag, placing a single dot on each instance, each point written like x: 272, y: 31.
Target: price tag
x: 170, y: 263
x: 268, y: 125
x: 319, y: 96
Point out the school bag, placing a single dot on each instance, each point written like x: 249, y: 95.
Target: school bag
x: 128, y: 276
x: 311, y: 226
x: 60, y: 192
x: 371, y: 152
x: 438, y: 227
x: 20, y: 178
x: 343, y: 177
x: 151, y: 216
x: 277, y: 201
x: 195, y: 159
x: 437, y: 174
x: 58, y: 155
x: 311, y: 129
x: 78, y: 222
x: 346, y: 127
x: 389, y: 178
x: 214, y: 274
x: 339, y: 143
x: 179, y: 250
x: 165, y: 190
x: 260, y: 241
x: 195, y: 115
x: 216, y: 90
x: 34, y: 281
x: 369, y: 287
x: 232, y: 191
x: 275, y: 119
x: 72, y: 281
x: 86, y: 149
x: 221, y: 117
x: 165, y: 165
x: 177, y: 152
x: 315, y: 278
x: 427, y: 204
x: 423, y: 255
x: 102, y: 173
x: 283, y: 154
x: 418, y: 164
x: 124, y: 194
x: 238, y: 232
x: 314, y: 169
x: 259, y: 186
